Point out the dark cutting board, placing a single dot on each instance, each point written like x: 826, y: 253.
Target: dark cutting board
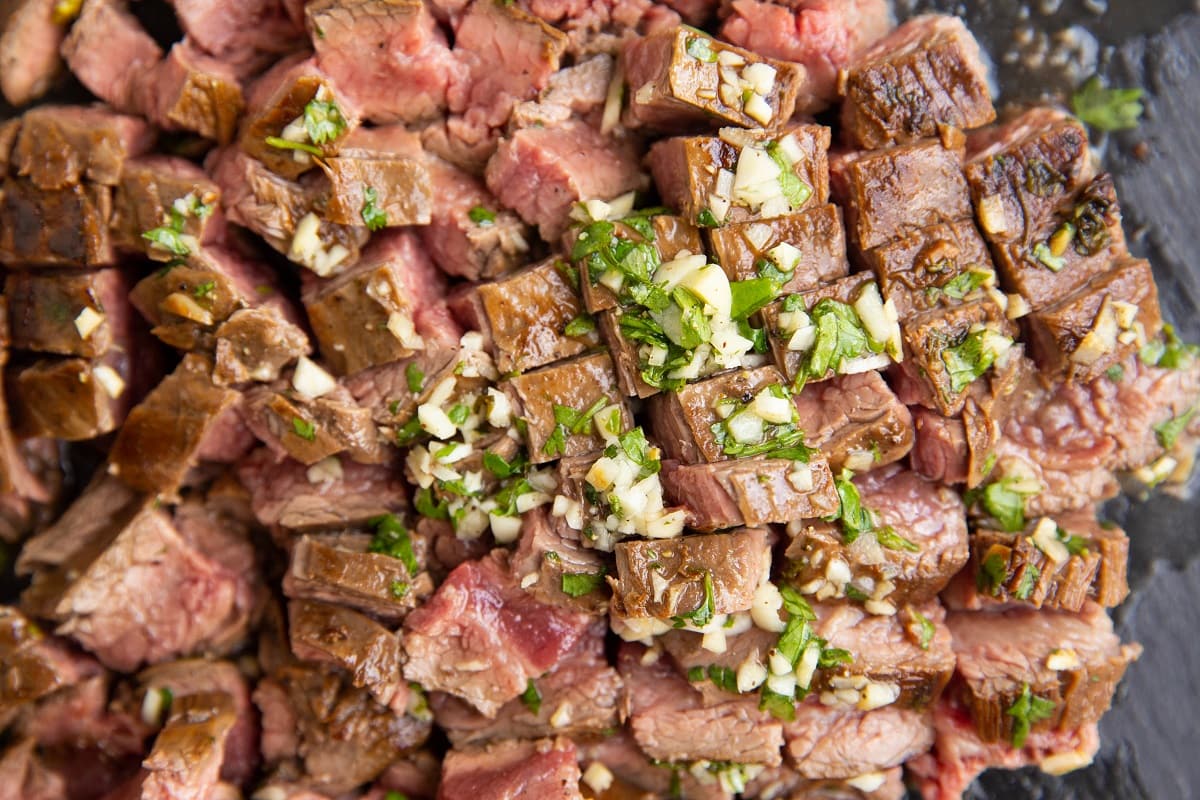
x: 1149, y: 750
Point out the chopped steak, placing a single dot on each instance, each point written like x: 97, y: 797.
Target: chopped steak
x: 932, y: 267
x: 926, y: 75
x: 358, y: 644
x: 34, y: 663
x: 636, y: 775
x: 55, y: 227
x: 45, y: 309
x: 146, y: 196
x: 548, y: 555
x: 256, y: 344
x: 190, y: 90
x: 853, y: 418
x: 538, y: 770
x: 103, y: 29
x: 817, y: 233
x: 247, y: 36
x: 826, y: 742
x: 29, y: 43
x: 78, y: 399
x: 61, y: 146
x: 481, y: 637
x: 185, y: 760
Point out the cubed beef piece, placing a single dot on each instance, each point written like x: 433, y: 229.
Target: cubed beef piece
x: 539, y: 770
x: 1066, y: 249
x: 1071, y: 661
x: 750, y: 491
x: 698, y: 174
x: 942, y: 450
x: 214, y: 678
x: 527, y: 317
x: 60, y: 146
x: 78, y: 399
x: 683, y: 421
x: 926, y: 75
x: 377, y: 192
x: 959, y: 755
x: 294, y: 90
x: 281, y: 493
x: 681, y: 77
x: 888, y: 193
x: 191, y: 91
x: 823, y: 37
x: 577, y: 90
x: 469, y: 234
x: 816, y: 234
x: 73, y: 314
x: 1099, y: 326
x: 1021, y: 172
x: 334, y: 735
x: 830, y: 742
x: 705, y: 575
x: 407, y: 77
x: 67, y: 227
x: 340, y: 569
x: 637, y: 775
x: 541, y: 172
x: 382, y: 309
x: 8, y: 139
x: 581, y: 385
x: 185, y: 419
x: 600, y: 27
x: 255, y: 344
x: 671, y: 721
x: 102, y: 29
x: 358, y: 644
x: 29, y: 41
x: 932, y: 267
x: 579, y: 697
x: 35, y: 665
x: 312, y: 429
x: 26, y: 775
x: 248, y: 36
x: 481, y: 637
x: 187, y: 754
x: 394, y: 391
x: 548, y: 555
x: 1058, y: 562
x: 855, y: 421
x: 146, y: 196
x: 931, y: 520
x: 949, y: 349
x: 507, y: 55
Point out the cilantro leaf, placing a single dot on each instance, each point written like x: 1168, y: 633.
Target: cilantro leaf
x: 481, y: 216
x: 794, y: 189
x: 1027, y: 710
x: 1168, y: 431
x: 1107, y: 109
x: 531, y: 697
x: 304, y: 429
x: 287, y: 144
x: 577, y: 584
x: 580, y: 326
x: 414, y: 376
x: 391, y: 539
x: 372, y: 215
x: 323, y: 121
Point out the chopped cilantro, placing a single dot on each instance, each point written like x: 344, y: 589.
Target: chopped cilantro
x: 1169, y: 352
x: 1115, y: 373
x: 415, y: 377
x: 962, y: 285
x: 391, y: 539
x: 703, y: 613
x: 779, y: 706
x: 531, y: 697
x: 706, y: 218
x: 577, y: 584
x: 482, y: 216
x: 854, y: 518
x: 205, y: 290
x: 1107, y: 109
x: 993, y: 572
x: 840, y: 337
x: 169, y: 239
x: 498, y: 466
x: 751, y: 295
x: 925, y: 629
x: 1003, y: 503
x: 287, y: 144
x: 458, y: 413
x: 854, y: 593
x: 568, y: 421
x: 372, y: 215
x: 724, y: 677
x: 304, y: 429
x: 967, y: 360
x: 1168, y: 432
x: 794, y: 189
x: 891, y: 540
x: 409, y: 432
x: 1025, y: 711
x: 1029, y: 579
x: 323, y: 121
x: 399, y: 589
x: 580, y: 326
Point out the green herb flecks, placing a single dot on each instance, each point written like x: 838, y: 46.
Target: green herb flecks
x: 481, y: 216
x: 1107, y: 109
x: 1168, y: 432
x: 391, y: 538
x: 700, y: 48
x: 323, y: 121
x: 703, y: 613
x: 1026, y: 711
x: 532, y: 698
x: 568, y: 421
x: 373, y: 216
x: 581, y: 325
x: 280, y: 143
x: 794, y: 189
x: 304, y: 429
x: 577, y: 584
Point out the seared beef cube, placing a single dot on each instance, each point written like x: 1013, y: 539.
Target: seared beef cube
x: 29, y: 44
x: 920, y: 541
x: 949, y: 349
x: 562, y: 403
x: 410, y: 69
x: 517, y: 768
x: 926, y: 75
x: 541, y: 172
x: 36, y: 665
x: 698, y: 174
x: 626, y: 359
x: 942, y: 451
x: 146, y: 197
x: 74, y: 314
x: 688, y: 423
x: 637, y: 774
x: 671, y: 721
x: 294, y: 102
x: 185, y: 419
x: 679, y: 77
x: 188, y: 752
x: 62, y: 146
x: 334, y: 735
x: 931, y: 267
x: 8, y: 139
x: 579, y: 697
x: 481, y: 637
x: 67, y: 227
x: 381, y: 309
x: 190, y: 90
x: 249, y: 36
x: 579, y: 90
x: 312, y: 429
x: 886, y: 194
x: 1070, y: 662
x: 550, y: 557
x: 704, y: 575
x: 377, y: 191
x: 1058, y: 562
x: 534, y: 317
x: 750, y: 491
x: 358, y: 644
x: 341, y: 570
x: 393, y: 398
x: 1100, y: 325
x: 102, y: 30
x: 829, y: 742
x: 75, y: 398
x: 255, y: 344
x: 812, y: 247
x: 1022, y: 171
x: 1067, y: 249
x: 855, y: 421
x: 469, y: 234
x: 284, y: 213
